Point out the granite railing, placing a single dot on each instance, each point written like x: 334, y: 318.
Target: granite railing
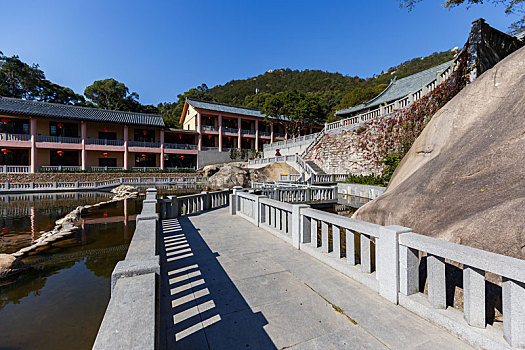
x: 10, y: 187
x: 104, y: 142
x: 291, y: 177
x: 401, y: 103
x: 144, y: 144
x: 298, y: 194
x: 175, y: 206
x: 388, y: 259
x: 296, y: 141
x: 328, y: 178
x: 131, y: 318
x: 364, y: 191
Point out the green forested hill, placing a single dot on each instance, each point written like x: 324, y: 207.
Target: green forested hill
x: 335, y: 91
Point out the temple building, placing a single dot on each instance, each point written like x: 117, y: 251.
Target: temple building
x: 46, y: 136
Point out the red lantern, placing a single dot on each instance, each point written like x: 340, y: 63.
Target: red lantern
x: 5, y: 121
x: 60, y: 125
x: 180, y: 137
x: 106, y: 129
x: 5, y: 150
x: 105, y: 154
x: 229, y: 137
x: 105, y: 214
x: 144, y: 132
x: 60, y: 153
x: 209, y: 136
x: 182, y: 157
x: 247, y: 140
x: 143, y: 155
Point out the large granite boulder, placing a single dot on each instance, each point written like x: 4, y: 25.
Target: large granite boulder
x: 228, y: 176
x: 463, y: 179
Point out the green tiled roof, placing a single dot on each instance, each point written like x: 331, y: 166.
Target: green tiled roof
x: 36, y: 109
x: 398, y: 89
x: 220, y: 107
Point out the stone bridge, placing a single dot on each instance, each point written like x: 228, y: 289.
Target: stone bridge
x: 239, y: 270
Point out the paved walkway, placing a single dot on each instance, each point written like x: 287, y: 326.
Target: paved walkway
x: 226, y: 284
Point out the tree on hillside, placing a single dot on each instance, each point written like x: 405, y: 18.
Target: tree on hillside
x: 296, y: 110
x: 512, y: 7
x: 20, y: 80
x: 111, y: 94
x: 360, y: 95
x: 171, y: 112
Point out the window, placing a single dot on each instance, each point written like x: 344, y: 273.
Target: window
x: 144, y: 135
x: 109, y: 162
x: 63, y: 129
x: 104, y: 135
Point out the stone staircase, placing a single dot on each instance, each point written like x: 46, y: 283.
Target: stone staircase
x: 317, y: 170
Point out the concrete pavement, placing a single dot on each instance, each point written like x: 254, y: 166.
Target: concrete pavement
x: 226, y: 284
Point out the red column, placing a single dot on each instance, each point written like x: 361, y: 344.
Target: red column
x: 220, y: 133
x: 256, y: 135
x: 126, y: 155
x: 162, y: 149
x: 83, y: 134
x: 199, y: 130
x: 239, y: 134
x: 33, y: 145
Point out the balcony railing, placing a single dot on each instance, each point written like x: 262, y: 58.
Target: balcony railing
x: 144, y: 144
x: 231, y: 130
x: 105, y: 142
x: 210, y: 148
x: 58, y: 139
x: 278, y: 135
x: 248, y: 132
x: 106, y: 168
x: 179, y: 146
x: 60, y: 167
x: 145, y: 168
x: 210, y: 128
x: 15, y: 137
x: 265, y: 133
x: 14, y: 168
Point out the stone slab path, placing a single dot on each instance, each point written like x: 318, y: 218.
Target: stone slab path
x: 226, y: 284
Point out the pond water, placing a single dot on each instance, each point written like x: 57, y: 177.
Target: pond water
x: 60, y: 301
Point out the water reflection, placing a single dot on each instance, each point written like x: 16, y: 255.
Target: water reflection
x: 60, y: 301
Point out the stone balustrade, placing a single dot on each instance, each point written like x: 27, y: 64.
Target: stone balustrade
x: 175, y: 206
x: 8, y: 187
x: 388, y: 259
x: 130, y: 321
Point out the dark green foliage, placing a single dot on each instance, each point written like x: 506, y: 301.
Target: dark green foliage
x: 20, y: 80
x: 111, y: 94
x: 171, y: 112
x: 391, y: 161
x: 298, y: 109
x: 372, y: 180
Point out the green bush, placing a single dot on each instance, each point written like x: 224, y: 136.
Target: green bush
x: 372, y: 180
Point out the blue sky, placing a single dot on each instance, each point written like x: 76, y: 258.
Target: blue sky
x: 160, y: 48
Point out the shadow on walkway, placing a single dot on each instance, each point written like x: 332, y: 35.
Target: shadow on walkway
x: 200, y: 306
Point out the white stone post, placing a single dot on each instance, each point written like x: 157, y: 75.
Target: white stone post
x: 474, y: 296
x: 387, y: 261
x: 437, y: 294
x: 514, y: 312
x: 350, y: 247
x: 366, y: 263
x: 324, y: 237
x: 296, y: 224
x: 336, y: 239
x: 408, y: 270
